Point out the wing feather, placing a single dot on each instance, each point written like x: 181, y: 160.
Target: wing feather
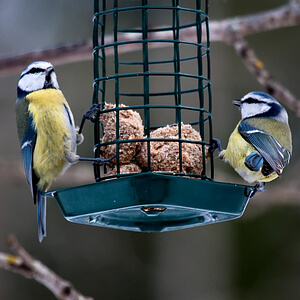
x: 269, y: 147
x: 27, y: 148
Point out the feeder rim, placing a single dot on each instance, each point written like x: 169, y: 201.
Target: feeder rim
x: 149, y: 41
x: 147, y: 73
x: 178, y: 8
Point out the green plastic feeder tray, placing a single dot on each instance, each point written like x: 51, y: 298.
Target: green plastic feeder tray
x: 152, y: 202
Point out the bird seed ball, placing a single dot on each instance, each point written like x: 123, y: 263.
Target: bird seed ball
x: 125, y: 169
x: 165, y: 154
x: 130, y: 127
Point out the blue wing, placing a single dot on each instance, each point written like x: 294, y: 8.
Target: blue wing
x: 41, y: 215
x: 275, y: 156
x: 27, y: 148
x: 254, y: 161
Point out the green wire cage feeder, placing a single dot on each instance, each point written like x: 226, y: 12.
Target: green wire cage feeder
x: 152, y: 81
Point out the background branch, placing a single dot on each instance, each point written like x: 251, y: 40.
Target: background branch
x: 83, y: 174
x: 24, y: 264
x: 231, y: 31
x: 283, y: 16
x: 256, y: 67
x: 220, y: 31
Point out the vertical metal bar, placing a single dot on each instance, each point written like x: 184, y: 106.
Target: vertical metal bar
x: 146, y: 76
x: 96, y: 83
x: 177, y: 82
x: 209, y: 86
x: 117, y: 83
x: 200, y: 80
x: 103, y: 54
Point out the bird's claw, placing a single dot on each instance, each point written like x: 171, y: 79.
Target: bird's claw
x: 215, y: 144
x: 104, y: 161
x: 259, y: 187
x: 91, y: 114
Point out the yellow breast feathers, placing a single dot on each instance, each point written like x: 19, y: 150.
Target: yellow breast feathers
x: 55, y: 133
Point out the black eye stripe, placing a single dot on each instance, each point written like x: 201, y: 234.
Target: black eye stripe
x: 251, y: 100
x: 35, y: 70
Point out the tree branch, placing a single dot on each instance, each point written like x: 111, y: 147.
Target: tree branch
x: 256, y: 67
x: 24, y: 264
x: 220, y: 31
x: 59, y: 55
x: 231, y: 31
x: 283, y: 16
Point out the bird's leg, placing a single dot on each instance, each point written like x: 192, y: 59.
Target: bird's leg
x: 91, y: 114
x: 215, y: 143
x: 79, y: 136
x: 99, y: 160
x: 74, y: 158
x: 259, y: 187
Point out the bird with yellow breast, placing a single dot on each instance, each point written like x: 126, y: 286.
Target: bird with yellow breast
x: 260, y: 146
x: 47, y: 133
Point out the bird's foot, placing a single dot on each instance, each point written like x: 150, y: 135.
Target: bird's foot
x: 99, y: 161
x: 91, y: 114
x: 104, y: 161
x: 215, y: 144
x: 259, y: 187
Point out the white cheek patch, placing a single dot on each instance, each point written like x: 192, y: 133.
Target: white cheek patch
x: 283, y: 116
x: 32, y: 82
x: 54, y: 80
x: 252, y: 109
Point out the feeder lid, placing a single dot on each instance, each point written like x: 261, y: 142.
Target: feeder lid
x: 151, y: 202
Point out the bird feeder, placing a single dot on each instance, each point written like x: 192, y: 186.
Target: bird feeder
x: 152, y: 81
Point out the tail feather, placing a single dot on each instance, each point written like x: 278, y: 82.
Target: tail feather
x: 41, y: 215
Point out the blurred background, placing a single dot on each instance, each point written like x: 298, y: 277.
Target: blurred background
x: 254, y: 257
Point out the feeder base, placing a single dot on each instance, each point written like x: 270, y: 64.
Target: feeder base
x: 152, y: 202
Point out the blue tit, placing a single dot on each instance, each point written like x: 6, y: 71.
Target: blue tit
x: 260, y: 146
x: 46, y: 131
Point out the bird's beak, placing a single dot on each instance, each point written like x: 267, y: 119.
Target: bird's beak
x: 237, y: 102
x: 49, y: 70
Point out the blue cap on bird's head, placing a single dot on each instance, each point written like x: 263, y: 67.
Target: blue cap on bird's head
x: 36, y: 76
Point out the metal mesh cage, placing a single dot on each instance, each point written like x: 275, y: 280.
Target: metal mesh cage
x: 145, y: 58
x: 152, y: 75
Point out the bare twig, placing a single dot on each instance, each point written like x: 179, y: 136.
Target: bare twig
x: 58, y: 56
x: 256, y: 67
x: 220, y: 31
x: 24, y: 264
x: 283, y: 16
x: 231, y: 31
